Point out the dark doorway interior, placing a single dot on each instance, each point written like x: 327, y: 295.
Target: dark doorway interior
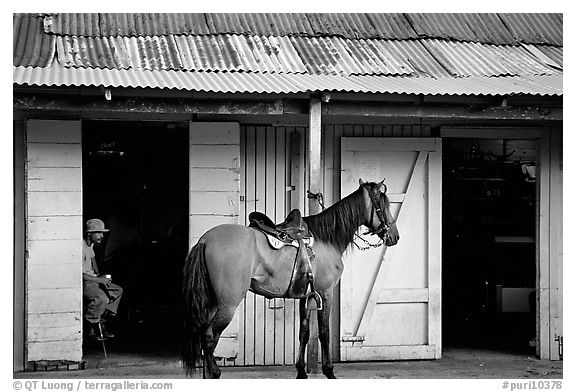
x: 135, y: 177
x: 489, y: 253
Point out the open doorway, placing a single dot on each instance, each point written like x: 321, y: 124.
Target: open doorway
x: 135, y: 178
x: 489, y: 249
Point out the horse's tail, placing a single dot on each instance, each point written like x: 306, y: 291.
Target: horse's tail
x: 198, y: 299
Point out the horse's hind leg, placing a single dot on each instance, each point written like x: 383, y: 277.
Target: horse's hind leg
x: 324, y: 335
x: 221, y: 319
x: 304, y: 335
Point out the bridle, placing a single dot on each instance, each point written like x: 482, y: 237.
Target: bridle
x: 384, y: 223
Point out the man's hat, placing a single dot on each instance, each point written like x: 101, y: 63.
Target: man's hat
x: 95, y: 226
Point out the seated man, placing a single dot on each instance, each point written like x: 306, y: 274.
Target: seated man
x: 101, y: 295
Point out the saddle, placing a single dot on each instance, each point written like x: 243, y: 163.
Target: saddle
x: 293, y: 232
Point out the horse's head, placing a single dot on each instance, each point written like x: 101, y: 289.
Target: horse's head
x: 378, y: 217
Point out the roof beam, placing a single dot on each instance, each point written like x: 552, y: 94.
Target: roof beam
x: 147, y: 106
x: 467, y: 112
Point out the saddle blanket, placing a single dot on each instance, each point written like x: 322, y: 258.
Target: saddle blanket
x: 277, y: 244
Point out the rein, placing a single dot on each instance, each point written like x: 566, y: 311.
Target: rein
x: 384, y: 225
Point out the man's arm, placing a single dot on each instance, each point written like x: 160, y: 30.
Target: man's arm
x: 97, y: 279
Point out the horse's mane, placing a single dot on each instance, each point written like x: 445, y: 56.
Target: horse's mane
x: 337, y: 224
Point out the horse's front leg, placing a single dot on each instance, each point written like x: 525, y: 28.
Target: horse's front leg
x: 324, y: 334
x: 304, y: 335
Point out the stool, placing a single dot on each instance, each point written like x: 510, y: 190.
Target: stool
x: 102, y: 339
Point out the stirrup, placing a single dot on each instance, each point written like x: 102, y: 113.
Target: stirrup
x: 317, y: 300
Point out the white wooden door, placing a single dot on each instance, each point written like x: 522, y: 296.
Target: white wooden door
x: 390, y: 297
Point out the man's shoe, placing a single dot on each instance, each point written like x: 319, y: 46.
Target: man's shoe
x: 105, y: 333
x: 93, y: 332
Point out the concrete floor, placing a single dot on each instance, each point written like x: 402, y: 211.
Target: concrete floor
x: 455, y: 363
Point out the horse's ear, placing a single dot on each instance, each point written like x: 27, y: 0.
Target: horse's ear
x: 360, y: 181
x: 381, y: 187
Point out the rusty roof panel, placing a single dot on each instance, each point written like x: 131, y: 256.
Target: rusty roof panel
x: 414, y: 53
x: 242, y: 82
x: 556, y: 54
x: 345, y: 25
x: 239, y: 53
x: 535, y: 28
x: 106, y: 52
x: 339, y: 56
x: 485, y: 28
x: 473, y: 59
x: 259, y: 23
x: 125, y: 24
x: 30, y: 46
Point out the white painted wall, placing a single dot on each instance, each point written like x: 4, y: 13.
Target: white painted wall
x: 53, y: 240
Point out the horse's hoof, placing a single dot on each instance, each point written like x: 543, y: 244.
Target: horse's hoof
x: 301, y: 375
x: 330, y: 376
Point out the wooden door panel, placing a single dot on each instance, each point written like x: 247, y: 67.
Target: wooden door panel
x: 390, y: 306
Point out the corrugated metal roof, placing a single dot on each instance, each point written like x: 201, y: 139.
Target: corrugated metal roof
x: 241, y: 82
x: 474, y: 27
x: 556, y: 54
x: 357, y: 25
x: 485, y: 28
x: 31, y: 47
x: 535, y: 28
x: 239, y: 53
x: 126, y: 24
x: 473, y: 59
x: 339, y: 56
x: 277, y: 24
x: 350, y: 25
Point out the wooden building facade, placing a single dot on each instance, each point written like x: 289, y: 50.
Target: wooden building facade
x: 206, y: 158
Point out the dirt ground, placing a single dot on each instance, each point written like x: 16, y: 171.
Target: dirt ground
x: 455, y: 364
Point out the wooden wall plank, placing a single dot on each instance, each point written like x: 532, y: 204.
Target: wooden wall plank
x: 215, y: 156
x: 53, y: 155
x: 55, y: 179
x: 260, y: 304
x: 383, y: 353
x: 214, y: 179
x: 70, y: 350
x: 54, y: 203
x: 214, y: 203
x: 214, y: 133
x: 42, y: 276
x: 50, y: 333
x: 54, y: 300
x: 54, y: 228
x: 53, y: 131
x: 435, y: 247
x: 543, y: 249
x: 53, y: 252
x: 555, y: 311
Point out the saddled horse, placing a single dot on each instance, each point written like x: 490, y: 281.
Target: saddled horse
x: 229, y: 260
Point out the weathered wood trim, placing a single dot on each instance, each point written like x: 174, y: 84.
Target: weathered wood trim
x: 314, y: 166
x: 19, y: 261
x: 435, y: 248
x: 555, y: 311
x: 543, y: 251
x: 146, y: 105
x: 368, y: 109
x: 394, y: 296
x: 387, y: 353
x: 491, y: 132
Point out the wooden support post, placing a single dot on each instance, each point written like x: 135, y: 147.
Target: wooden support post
x: 313, y: 156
